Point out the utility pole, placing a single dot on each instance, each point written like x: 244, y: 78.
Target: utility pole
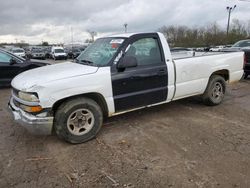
x: 229, y: 9
x: 125, y: 27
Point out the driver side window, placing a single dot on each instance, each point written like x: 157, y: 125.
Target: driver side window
x: 4, y: 58
x: 146, y: 51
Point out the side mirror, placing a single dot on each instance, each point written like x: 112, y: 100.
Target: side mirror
x: 12, y: 61
x: 127, y: 62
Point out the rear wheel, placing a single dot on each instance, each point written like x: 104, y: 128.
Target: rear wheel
x: 78, y: 120
x: 215, y: 91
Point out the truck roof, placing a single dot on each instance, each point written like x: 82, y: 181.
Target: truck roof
x: 127, y: 35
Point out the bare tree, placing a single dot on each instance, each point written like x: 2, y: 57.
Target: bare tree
x: 211, y: 35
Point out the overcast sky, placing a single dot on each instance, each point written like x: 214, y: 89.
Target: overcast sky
x: 51, y: 20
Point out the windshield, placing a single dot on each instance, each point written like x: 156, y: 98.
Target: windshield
x: 245, y: 43
x: 100, y: 52
x: 59, y: 51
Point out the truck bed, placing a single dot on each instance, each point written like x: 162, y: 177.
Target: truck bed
x: 193, y: 73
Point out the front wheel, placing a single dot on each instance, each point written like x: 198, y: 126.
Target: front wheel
x: 215, y: 91
x: 78, y: 120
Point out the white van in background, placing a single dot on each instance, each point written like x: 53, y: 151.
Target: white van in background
x: 58, y: 53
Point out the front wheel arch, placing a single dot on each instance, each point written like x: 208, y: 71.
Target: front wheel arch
x: 78, y: 120
x: 97, y: 97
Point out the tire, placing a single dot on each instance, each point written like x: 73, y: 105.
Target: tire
x: 215, y: 91
x: 78, y: 120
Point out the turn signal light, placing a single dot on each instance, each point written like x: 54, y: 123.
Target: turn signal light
x: 31, y: 108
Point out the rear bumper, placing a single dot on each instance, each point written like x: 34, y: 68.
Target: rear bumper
x: 35, y: 125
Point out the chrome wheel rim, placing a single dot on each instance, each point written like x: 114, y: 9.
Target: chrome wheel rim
x: 218, y: 91
x: 80, y: 122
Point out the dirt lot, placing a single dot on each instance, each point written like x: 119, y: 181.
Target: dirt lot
x: 180, y: 144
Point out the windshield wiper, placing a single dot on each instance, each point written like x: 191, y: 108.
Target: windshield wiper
x: 87, y: 62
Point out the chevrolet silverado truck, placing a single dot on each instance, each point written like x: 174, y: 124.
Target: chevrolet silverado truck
x: 114, y: 75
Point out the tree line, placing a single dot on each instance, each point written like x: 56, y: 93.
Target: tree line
x: 210, y: 35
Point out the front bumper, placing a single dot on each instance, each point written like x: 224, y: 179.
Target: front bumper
x: 34, y: 124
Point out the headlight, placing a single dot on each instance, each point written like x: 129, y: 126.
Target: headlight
x: 30, y: 97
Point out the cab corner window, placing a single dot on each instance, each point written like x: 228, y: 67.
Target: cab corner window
x: 146, y: 51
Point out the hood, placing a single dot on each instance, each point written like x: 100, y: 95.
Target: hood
x: 51, y: 73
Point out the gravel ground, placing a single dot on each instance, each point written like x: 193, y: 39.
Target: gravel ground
x: 180, y: 144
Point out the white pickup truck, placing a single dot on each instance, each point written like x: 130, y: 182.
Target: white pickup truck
x: 115, y: 75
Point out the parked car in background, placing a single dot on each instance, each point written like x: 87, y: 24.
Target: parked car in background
x: 47, y: 51
x: 216, y: 49
x: 73, y: 53
x: 36, y: 53
x: 242, y: 45
x: 58, y: 53
x: 19, y: 52
x: 11, y: 65
x: 82, y: 48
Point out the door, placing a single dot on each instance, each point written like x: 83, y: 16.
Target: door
x: 7, y: 71
x: 146, y: 83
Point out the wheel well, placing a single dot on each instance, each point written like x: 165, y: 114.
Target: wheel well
x: 98, y: 98
x: 224, y: 73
